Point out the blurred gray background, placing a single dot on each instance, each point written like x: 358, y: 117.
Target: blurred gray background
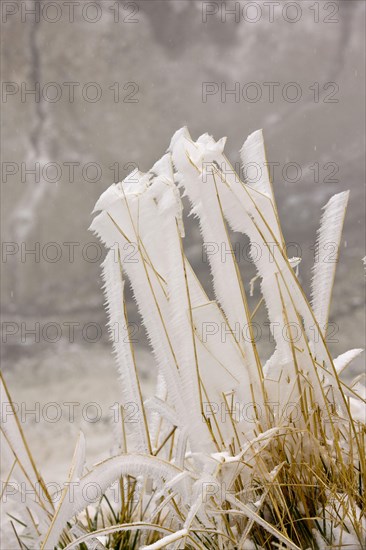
x: 149, y: 62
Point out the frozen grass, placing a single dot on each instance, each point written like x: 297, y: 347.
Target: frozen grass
x: 229, y: 453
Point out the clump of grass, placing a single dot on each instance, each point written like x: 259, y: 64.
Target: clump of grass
x: 196, y: 469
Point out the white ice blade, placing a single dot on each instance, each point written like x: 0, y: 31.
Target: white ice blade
x: 327, y: 251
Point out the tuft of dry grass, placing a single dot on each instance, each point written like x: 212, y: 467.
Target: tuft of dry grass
x: 196, y: 471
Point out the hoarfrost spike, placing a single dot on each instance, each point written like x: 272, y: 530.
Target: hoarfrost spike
x: 327, y: 249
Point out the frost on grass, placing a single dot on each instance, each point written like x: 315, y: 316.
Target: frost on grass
x: 195, y: 471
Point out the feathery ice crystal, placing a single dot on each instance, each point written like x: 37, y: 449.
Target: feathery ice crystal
x: 194, y: 471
